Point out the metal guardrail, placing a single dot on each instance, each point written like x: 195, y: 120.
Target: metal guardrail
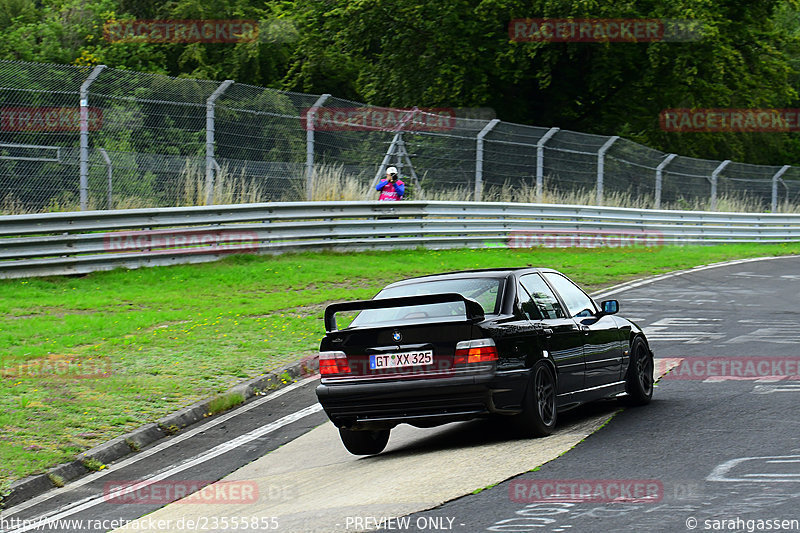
x: 81, y: 242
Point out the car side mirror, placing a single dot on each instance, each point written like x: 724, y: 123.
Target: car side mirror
x: 609, y: 307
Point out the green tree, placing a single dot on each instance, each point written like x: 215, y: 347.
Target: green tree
x: 458, y: 52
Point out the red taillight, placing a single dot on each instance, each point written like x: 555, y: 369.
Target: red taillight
x: 477, y: 351
x: 333, y: 363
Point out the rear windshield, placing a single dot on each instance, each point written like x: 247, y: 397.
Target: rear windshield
x: 485, y: 291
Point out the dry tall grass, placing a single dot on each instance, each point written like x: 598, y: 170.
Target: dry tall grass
x: 527, y: 194
x: 331, y: 182
x: 10, y: 205
x: 65, y: 202
x: 228, y: 189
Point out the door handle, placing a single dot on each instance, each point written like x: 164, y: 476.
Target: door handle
x: 585, y: 329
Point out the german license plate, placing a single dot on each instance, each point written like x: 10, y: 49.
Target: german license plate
x: 397, y: 360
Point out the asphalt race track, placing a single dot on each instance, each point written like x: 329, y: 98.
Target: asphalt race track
x: 725, y: 451
x: 709, y: 453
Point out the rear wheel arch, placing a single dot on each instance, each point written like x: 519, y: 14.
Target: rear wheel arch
x: 539, y: 406
x: 531, y: 362
x: 553, y: 369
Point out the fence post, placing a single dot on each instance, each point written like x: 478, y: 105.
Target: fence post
x: 84, y: 127
x: 714, y: 177
x: 310, y: 118
x: 479, y: 158
x: 210, y: 102
x: 540, y: 162
x: 660, y: 178
x: 601, y: 162
x: 110, y: 170
x: 775, y: 178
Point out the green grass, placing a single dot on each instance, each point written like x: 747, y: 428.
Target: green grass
x: 85, y: 359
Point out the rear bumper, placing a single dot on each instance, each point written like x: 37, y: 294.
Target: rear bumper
x: 421, y: 402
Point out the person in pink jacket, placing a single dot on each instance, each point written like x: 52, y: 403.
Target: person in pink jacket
x: 390, y: 187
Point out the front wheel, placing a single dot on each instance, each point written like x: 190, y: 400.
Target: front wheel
x: 639, y: 379
x: 364, y: 442
x: 539, y: 415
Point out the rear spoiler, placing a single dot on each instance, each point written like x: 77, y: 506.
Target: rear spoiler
x: 474, y: 309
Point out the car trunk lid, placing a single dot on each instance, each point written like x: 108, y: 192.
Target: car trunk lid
x: 406, y: 337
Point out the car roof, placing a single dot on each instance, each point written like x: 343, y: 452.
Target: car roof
x: 475, y: 273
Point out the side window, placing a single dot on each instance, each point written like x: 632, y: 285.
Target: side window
x: 543, y: 303
x: 578, y: 304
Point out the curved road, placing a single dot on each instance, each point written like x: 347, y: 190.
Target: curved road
x: 708, y: 447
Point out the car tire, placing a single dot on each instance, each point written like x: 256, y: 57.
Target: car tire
x: 364, y: 442
x: 639, y: 378
x: 539, y: 413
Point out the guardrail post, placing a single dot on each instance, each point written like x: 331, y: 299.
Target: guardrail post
x: 540, y: 162
x: 775, y: 179
x: 110, y: 170
x: 310, y: 118
x: 714, y: 178
x: 601, y: 162
x: 84, y: 127
x: 210, y: 102
x: 660, y: 178
x: 479, y: 158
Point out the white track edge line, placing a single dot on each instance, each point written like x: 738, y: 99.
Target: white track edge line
x: 158, y: 447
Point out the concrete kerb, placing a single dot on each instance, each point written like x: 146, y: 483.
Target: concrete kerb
x: 137, y: 439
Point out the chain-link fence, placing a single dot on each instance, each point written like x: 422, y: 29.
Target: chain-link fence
x: 101, y: 138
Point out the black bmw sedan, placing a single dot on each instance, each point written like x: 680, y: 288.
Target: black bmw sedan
x: 524, y: 343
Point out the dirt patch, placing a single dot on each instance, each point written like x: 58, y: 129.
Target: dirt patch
x: 303, y: 310
x: 60, y: 312
x: 360, y: 283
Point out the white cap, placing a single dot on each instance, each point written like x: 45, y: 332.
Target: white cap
x: 391, y: 170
